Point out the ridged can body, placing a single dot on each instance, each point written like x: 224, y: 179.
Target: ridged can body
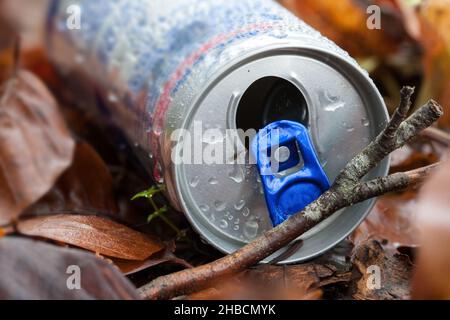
x: 163, y: 65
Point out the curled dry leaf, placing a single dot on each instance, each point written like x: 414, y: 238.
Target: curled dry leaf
x: 435, y: 37
x: 7, y: 54
x: 264, y: 283
x: 293, y: 282
x: 85, y: 187
x: 394, y: 270
x: 93, y: 233
x: 27, y: 18
x: 392, y: 219
x: 129, y: 267
x: 345, y: 22
x: 37, y: 270
x: 35, y: 144
x: 432, y: 278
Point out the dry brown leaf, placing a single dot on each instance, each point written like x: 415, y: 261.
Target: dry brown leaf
x: 345, y: 22
x: 290, y: 282
x: 395, y: 271
x: 392, y: 219
x: 413, y: 157
x: 93, y: 233
x: 129, y: 267
x: 36, y: 270
x: 85, y: 187
x: 7, y: 52
x: 435, y: 38
x: 35, y: 144
x: 432, y: 278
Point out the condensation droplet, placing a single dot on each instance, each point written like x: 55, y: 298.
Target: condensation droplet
x: 239, y: 205
x: 219, y: 205
x: 365, y: 122
x: 348, y: 126
x: 194, y: 181
x: 251, y: 229
x: 334, y: 106
x: 223, y: 224
x: 213, y: 181
x: 237, y: 174
x: 330, y: 101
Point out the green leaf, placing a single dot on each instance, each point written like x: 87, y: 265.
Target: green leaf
x: 148, y: 194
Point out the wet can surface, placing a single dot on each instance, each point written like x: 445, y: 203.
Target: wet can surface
x: 197, y: 65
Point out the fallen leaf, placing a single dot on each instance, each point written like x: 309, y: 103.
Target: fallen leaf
x: 434, y: 16
x: 395, y: 271
x: 345, y: 22
x: 7, y: 52
x: 93, y: 233
x: 36, y: 270
x: 413, y: 157
x: 267, y: 282
x: 129, y: 267
x: 432, y: 278
x: 35, y: 144
x: 391, y: 220
x: 36, y: 60
x: 27, y: 18
x: 288, y: 282
x: 85, y: 187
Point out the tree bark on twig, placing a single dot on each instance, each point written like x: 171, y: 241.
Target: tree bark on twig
x: 346, y: 190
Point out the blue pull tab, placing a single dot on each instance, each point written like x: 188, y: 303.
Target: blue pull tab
x: 290, y: 171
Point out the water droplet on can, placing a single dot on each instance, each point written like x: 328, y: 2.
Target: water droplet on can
x: 365, y: 122
x: 223, y: 224
x: 194, y: 181
x: 239, y: 205
x: 219, y: 205
x: 251, y: 229
x: 213, y: 181
x: 237, y: 174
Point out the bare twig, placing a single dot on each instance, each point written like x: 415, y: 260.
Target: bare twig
x: 346, y: 190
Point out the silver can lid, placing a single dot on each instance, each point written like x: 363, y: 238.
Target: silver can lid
x: 335, y: 99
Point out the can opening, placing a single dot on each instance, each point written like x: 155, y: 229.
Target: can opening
x: 270, y: 99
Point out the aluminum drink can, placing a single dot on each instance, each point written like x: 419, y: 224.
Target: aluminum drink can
x: 161, y: 66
